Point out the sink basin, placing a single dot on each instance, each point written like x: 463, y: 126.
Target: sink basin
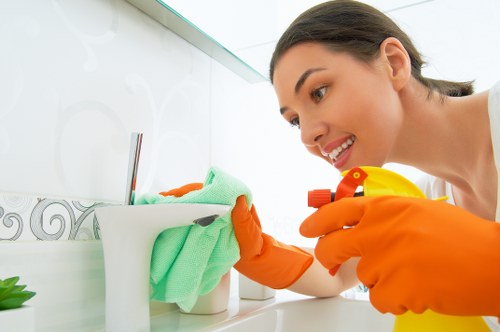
x: 314, y: 314
x: 287, y: 312
x: 333, y: 314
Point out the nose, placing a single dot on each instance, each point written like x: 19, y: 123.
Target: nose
x: 312, y: 131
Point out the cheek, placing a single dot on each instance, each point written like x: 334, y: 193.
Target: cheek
x: 377, y: 111
x: 376, y: 122
x: 376, y: 141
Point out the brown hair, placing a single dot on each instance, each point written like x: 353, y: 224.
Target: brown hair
x: 358, y: 29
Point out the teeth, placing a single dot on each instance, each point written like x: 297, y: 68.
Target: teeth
x: 336, y: 152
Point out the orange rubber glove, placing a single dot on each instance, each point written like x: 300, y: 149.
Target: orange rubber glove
x: 181, y: 191
x: 262, y: 258
x: 416, y: 254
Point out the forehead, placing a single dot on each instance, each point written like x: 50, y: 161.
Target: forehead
x: 302, y: 58
x: 298, y: 56
x: 306, y: 56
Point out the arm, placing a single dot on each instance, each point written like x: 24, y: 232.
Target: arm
x: 310, y: 277
x: 278, y: 265
x: 316, y: 281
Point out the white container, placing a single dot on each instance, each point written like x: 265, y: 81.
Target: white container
x: 251, y: 290
x: 128, y: 234
x: 17, y: 320
x: 214, y: 302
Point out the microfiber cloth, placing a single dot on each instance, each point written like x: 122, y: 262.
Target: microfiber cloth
x: 189, y: 261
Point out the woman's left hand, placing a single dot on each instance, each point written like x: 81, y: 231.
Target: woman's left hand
x: 416, y: 254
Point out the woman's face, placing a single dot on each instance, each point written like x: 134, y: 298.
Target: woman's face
x: 348, y: 111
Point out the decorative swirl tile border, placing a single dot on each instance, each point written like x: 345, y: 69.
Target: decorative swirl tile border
x: 24, y: 217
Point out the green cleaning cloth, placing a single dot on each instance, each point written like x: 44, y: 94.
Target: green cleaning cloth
x: 189, y: 261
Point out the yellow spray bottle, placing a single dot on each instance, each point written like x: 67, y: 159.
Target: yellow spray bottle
x: 376, y: 181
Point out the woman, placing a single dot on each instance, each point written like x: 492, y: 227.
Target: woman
x: 351, y: 80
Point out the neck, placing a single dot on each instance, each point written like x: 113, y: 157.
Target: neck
x: 449, y: 139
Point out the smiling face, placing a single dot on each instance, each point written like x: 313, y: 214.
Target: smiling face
x: 348, y: 111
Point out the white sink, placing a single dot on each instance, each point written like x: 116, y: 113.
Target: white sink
x: 329, y: 314
x: 287, y: 312
x: 332, y: 314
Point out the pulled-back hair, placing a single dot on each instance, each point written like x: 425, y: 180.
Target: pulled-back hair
x: 358, y: 29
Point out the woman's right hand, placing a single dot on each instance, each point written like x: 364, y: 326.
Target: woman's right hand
x: 403, y: 242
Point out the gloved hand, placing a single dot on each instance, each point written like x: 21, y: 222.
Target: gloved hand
x: 262, y: 258
x: 416, y: 254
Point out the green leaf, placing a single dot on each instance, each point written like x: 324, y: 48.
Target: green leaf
x: 16, y: 300
x: 11, y: 295
x: 18, y: 288
x: 7, y: 285
x: 5, y: 291
x: 9, y: 282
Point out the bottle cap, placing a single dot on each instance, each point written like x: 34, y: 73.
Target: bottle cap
x: 318, y: 197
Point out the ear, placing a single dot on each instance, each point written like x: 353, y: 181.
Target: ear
x: 398, y: 62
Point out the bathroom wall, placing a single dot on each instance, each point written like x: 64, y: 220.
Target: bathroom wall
x: 77, y: 77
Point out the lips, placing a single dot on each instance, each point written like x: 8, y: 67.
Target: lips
x: 338, y: 150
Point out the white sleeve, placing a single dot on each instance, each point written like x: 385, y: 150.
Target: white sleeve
x: 434, y: 187
x: 494, y: 113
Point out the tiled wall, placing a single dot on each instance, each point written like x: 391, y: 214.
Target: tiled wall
x: 27, y: 217
x: 68, y: 278
x: 76, y: 79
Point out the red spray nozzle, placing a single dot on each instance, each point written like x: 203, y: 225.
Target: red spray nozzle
x: 346, y: 188
x: 319, y: 197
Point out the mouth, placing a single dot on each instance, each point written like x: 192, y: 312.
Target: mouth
x: 337, y: 152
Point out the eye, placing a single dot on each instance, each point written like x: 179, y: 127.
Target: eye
x: 318, y: 94
x: 294, y: 122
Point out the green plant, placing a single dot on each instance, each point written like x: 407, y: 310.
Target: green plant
x: 11, y: 295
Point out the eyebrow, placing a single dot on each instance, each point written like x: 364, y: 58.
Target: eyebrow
x: 302, y: 79
x: 300, y: 82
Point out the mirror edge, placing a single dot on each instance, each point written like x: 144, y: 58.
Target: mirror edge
x: 168, y: 17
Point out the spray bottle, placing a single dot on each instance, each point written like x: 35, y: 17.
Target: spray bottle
x: 376, y: 181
